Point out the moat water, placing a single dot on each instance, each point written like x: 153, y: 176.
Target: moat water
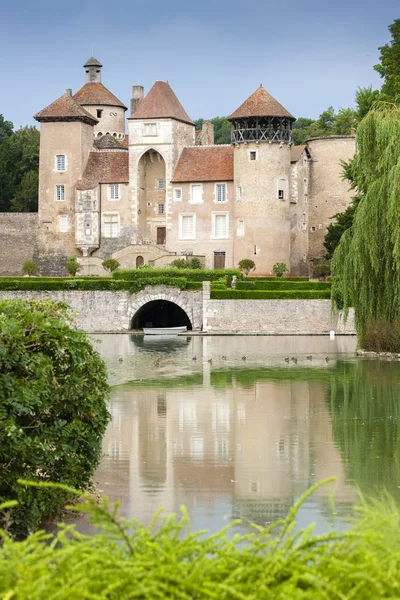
x: 240, y: 427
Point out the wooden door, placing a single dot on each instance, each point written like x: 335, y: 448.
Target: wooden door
x: 139, y: 261
x: 219, y: 260
x: 161, y: 235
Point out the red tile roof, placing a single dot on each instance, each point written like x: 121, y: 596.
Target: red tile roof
x: 296, y: 152
x: 105, y: 167
x: 96, y: 93
x: 161, y: 103
x: 65, y: 108
x: 260, y: 104
x: 205, y: 163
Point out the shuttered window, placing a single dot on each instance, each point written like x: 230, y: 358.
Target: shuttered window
x: 63, y: 223
x: 220, y: 226
x: 111, y: 226
x: 187, y: 227
x: 196, y: 193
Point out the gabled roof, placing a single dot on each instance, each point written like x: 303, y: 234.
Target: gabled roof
x: 97, y: 93
x: 205, y: 163
x: 260, y: 104
x: 297, y: 151
x: 92, y: 62
x: 65, y: 108
x: 161, y: 103
x: 105, y: 167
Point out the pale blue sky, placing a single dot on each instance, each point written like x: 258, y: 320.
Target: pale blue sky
x: 308, y: 54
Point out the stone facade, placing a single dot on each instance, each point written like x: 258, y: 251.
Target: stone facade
x: 259, y: 198
x: 18, y: 237
x: 113, y: 312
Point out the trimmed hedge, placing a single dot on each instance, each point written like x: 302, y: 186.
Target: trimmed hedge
x: 270, y: 295
x: 95, y: 284
x: 189, y: 274
x: 277, y: 279
x: 283, y: 285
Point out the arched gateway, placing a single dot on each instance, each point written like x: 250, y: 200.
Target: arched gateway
x: 163, y: 306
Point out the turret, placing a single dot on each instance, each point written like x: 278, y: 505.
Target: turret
x: 93, y: 70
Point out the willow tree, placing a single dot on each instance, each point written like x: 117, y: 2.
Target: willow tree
x: 366, y: 263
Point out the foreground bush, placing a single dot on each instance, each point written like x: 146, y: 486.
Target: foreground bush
x: 52, y: 408
x: 126, y: 560
x: 381, y: 336
x: 275, y: 294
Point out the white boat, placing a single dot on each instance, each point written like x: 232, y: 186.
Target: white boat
x: 164, y: 330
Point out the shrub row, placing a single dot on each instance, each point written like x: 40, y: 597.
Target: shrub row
x: 270, y: 294
x: 189, y: 274
x: 95, y: 284
x: 283, y: 285
x: 278, y: 279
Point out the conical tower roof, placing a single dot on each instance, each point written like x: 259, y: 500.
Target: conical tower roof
x: 97, y: 93
x: 161, y: 103
x: 261, y: 104
x: 92, y: 62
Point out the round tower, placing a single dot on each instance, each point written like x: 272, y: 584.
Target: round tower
x: 101, y: 103
x: 262, y: 134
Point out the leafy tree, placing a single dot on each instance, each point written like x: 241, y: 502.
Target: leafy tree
x: 279, y: 269
x: 53, y: 410
x: 110, y: 264
x: 30, y: 267
x: 300, y: 130
x: 194, y: 263
x: 72, y: 265
x: 389, y: 66
x: 179, y: 263
x: 366, y: 263
x: 222, y: 129
x: 365, y: 99
x: 246, y: 265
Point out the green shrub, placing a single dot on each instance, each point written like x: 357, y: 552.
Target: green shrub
x: 321, y: 268
x: 246, y: 265
x: 144, y: 267
x: 279, y: 269
x: 91, y: 284
x: 189, y: 274
x: 194, y: 263
x: 284, y: 284
x: 194, y: 285
x: 53, y: 410
x: 274, y: 279
x: 270, y: 294
x: 72, y: 265
x: 180, y: 263
x: 381, y: 336
x: 30, y: 267
x: 279, y: 561
x: 110, y: 264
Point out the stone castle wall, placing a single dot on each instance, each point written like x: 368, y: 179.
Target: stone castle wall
x: 18, y: 236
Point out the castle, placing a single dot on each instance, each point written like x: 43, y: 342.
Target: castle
x: 166, y: 190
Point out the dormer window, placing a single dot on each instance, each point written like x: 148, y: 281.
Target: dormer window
x: 99, y: 113
x: 150, y: 129
x: 61, y: 163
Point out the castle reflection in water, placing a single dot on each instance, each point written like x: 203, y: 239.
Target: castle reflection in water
x: 218, y: 438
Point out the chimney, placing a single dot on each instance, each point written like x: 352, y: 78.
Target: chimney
x: 137, y: 97
x: 68, y: 92
x: 207, y: 130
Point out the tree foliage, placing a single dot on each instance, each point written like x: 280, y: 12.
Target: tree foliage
x: 366, y: 263
x: 278, y: 561
x: 246, y: 265
x: 72, y: 265
x: 389, y: 66
x: 19, y: 168
x: 53, y: 410
x: 110, y: 264
x: 222, y: 129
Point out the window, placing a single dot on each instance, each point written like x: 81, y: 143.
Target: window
x: 161, y: 209
x: 113, y: 191
x: 61, y: 163
x: 282, y: 189
x: 187, y: 226
x: 313, y: 228
x: 220, y: 226
x: 220, y: 192
x: 60, y: 193
x: 238, y: 192
x: 63, y: 222
x: 161, y: 184
x: 150, y: 129
x: 111, y: 226
x: 99, y: 113
x: 196, y: 193
x: 178, y: 194
x: 253, y: 154
x: 240, y: 228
